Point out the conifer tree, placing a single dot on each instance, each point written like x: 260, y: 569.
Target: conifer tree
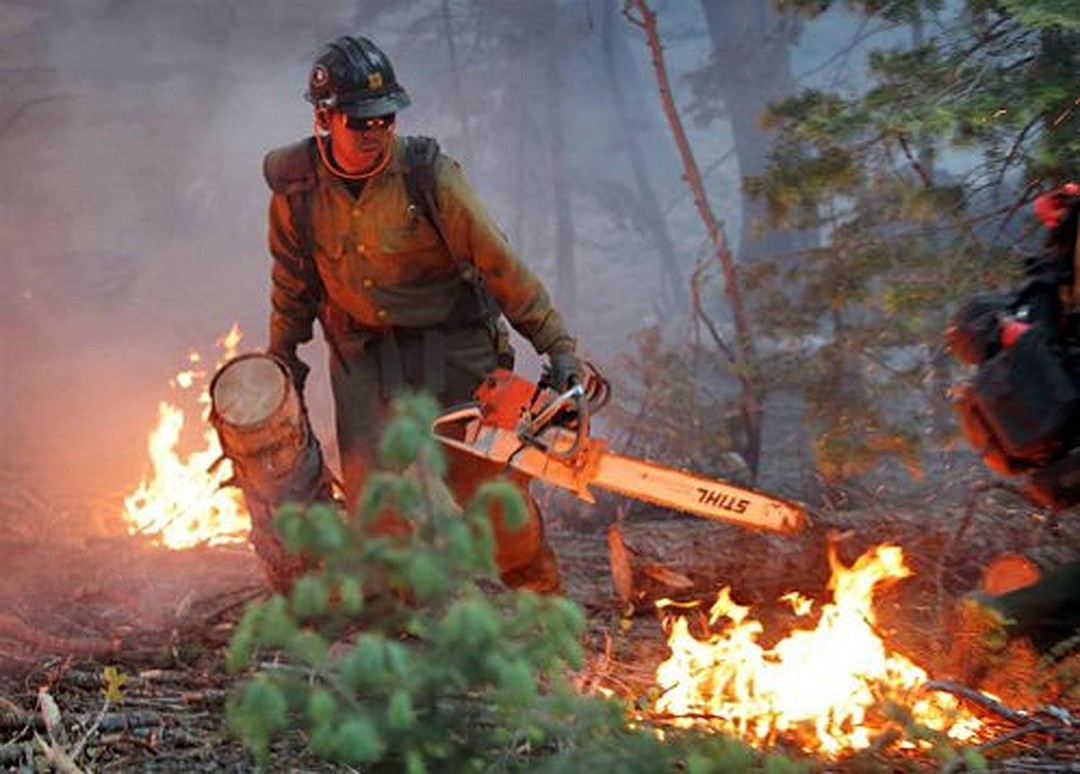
x: 919, y: 184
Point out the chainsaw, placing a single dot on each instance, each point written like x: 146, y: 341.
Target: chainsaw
x: 545, y: 434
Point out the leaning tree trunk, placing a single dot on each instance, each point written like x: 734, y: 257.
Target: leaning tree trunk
x: 745, y: 354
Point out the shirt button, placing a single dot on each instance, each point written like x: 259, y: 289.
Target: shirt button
x: 361, y: 249
x: 368, y: 282
x: 381, y: 314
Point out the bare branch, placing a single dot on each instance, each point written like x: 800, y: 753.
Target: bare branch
x: 745, y: 351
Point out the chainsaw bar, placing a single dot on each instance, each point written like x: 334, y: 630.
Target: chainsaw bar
x: 701, y: 496
x: 558, y: 457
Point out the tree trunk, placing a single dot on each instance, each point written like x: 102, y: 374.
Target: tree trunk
x: 938, y: 359
x: 648, y: 209
x: 745, y: 350
x: 521, y: 158
x: 748, y: 40
x: 565, y: 274
x: 455, y: 79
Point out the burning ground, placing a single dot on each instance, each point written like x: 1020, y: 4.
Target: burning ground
x: 148, y: 624
x: 112, y: 645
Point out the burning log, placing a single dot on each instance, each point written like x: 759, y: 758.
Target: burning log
x: 264, y: 431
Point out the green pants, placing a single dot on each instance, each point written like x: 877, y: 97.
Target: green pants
x: 1048, y: 611
x: 365, y: 374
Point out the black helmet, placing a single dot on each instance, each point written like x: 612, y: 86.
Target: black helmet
x: 352, y: 75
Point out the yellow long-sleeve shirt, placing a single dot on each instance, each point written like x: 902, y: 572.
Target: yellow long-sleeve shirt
x: 383, y: 265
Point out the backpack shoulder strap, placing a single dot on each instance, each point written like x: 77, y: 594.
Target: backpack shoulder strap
x: 291, y: 169
x: 420, y: 156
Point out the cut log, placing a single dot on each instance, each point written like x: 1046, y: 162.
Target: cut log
x: 264, y: 431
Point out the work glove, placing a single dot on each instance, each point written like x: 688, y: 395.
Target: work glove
x: 1053, y: 206
x: 298, y: 369
x: 564, y: 366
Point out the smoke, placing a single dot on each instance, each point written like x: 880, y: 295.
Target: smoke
x: 133, y: 229
x: 133, y: 210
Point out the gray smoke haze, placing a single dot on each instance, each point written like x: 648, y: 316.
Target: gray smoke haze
x: 132, y: 210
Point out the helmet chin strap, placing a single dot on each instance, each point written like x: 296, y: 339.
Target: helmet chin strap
x: 322, y: 137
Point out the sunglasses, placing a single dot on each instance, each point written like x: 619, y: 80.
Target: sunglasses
x: 372, y: 124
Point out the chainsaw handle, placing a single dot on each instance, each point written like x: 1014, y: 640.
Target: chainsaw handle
x: 573, y: 400
x: 569, y: 399
x: 582, y: 399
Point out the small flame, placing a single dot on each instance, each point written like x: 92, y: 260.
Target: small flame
x: 184, y: 503
x: 817, y: 685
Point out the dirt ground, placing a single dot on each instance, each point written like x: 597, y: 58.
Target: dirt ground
x: 163, y: 618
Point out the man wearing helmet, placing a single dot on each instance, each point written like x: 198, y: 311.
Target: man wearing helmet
x: 405, y: 300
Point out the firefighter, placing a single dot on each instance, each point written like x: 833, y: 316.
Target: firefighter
x: 407, y: 298
x: 1046, y: 611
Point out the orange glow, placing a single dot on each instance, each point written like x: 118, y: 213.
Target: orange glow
x: 183, y: 503
x: 818, y: 686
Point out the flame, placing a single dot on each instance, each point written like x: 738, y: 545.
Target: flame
x: 820, y: 685
x: 184, y: 504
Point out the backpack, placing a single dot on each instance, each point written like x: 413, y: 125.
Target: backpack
x: 1020, y: 411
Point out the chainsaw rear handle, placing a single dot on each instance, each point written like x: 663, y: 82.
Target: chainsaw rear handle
x: 571, y: 400
x: 571, y: 409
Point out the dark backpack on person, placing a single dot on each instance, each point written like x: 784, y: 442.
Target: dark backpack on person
x: 1027, y: 397
x: 1020, y: 411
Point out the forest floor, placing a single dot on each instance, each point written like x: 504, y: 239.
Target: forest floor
x: 152, y: 624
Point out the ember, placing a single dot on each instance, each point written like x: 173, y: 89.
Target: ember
x: 818, y: 686
x: 183, y: 504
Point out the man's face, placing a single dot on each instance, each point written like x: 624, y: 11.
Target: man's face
x: 359, y: 144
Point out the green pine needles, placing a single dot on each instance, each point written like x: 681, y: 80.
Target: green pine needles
x: 390, y: 650
x: 402, y: 652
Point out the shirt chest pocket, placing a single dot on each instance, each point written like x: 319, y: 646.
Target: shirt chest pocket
x: 414, y: 236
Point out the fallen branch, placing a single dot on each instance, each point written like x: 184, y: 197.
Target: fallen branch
x: 50, y: 715
x: 12, y: 719
x: 1035, y: 727
x: 978, y: 698
x: 129, y: 721
x: 81, y: 745
x: 106, y: 722
x: 58, y: 759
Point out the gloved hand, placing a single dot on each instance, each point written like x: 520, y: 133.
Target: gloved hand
x: 298, y: 369
x: 1052, y: 206
x: 565, y: 368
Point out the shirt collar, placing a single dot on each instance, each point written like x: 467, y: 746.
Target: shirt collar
x: 395, y: 167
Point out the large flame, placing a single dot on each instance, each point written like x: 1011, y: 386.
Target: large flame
x: 819, y: 686
x: 183, y: 502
